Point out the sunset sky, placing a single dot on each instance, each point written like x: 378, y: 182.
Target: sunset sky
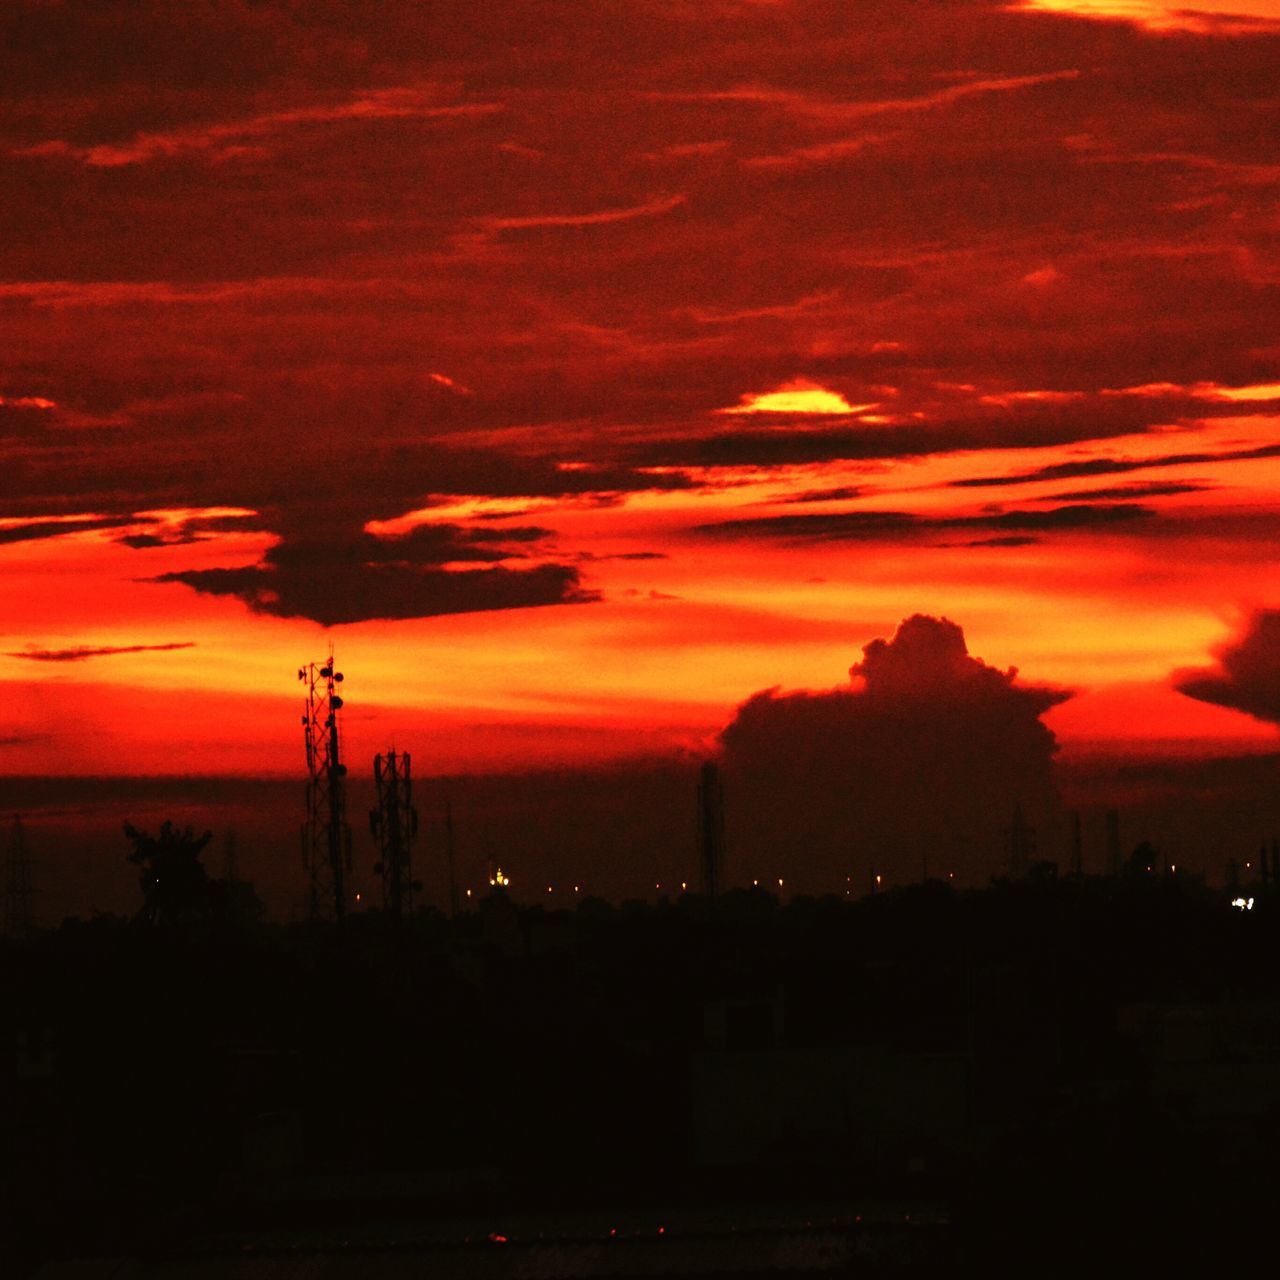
x: 580, y: 370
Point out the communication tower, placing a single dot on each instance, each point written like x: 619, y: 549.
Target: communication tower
x: 711, y: 829
x: 394, y: 824
x: 326, y: 837
x: 18, y: 919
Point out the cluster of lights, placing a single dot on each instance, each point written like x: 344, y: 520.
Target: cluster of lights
x: 1242, y: 904
x: 500, y: 880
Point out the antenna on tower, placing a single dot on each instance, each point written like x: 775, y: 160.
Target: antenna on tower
x: 394, y: 824
x: 19, y: 921
x: 711, y: 829
x: 326, y: 838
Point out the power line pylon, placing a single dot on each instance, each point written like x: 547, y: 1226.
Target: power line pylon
x: 19, y: 921
x: 711, y: 829
x: 326, y: 837
x: 394, y: 824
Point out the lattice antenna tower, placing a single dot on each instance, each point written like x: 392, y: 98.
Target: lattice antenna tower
x: 394, y: 824
x: 326, y: 837
x: 19, y: 921
x: 711, y: 829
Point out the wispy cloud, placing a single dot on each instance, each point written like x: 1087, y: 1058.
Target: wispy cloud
x: 80, y: 653
x: 649, y: 209
x: 223, y: 140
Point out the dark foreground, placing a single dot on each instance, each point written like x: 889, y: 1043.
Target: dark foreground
x: 1043, y: 1075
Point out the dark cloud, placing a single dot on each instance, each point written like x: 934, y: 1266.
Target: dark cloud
x: 870, y: 526
x: 38, y: 530
x: 82, y: 652
x: 254, y: 295
x: 1247, y: 675
x: 335, y: 576
x: 1152, y: 489
x: 925, y: 756
x: 1115, y: 466
x: 837, y: 493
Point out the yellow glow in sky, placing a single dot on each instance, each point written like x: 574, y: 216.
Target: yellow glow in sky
x: 1153, y: 13
x: 797, y: 396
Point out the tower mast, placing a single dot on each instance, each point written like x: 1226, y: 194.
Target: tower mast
x: 394, y: 824
x: 326, y: 837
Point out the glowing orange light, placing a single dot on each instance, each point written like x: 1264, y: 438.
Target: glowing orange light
x: 797, y: 396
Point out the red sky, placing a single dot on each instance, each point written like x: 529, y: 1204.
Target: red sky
x: 580, y: 370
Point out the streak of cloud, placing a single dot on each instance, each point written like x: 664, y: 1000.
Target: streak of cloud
x: 81, y: 653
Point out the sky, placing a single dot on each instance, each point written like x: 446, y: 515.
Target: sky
x: 581, y: 372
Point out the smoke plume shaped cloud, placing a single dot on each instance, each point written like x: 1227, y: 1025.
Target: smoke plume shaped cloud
x: 919, y: 764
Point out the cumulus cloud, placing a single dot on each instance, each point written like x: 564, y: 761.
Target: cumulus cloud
x: 922, y: 758
x: 1247, y: 675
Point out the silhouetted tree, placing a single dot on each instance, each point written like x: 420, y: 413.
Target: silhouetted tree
x: 1145, y: 859
x: 175, y: 885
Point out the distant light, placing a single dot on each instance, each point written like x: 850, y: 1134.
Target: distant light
x: 357, y: 897
x: 575, y: 888
x: 755, y: 882
x: 1242, y: 904
x: 468, y: 893
x: 1173, y: 867
x: 548, y: 888
x: 878, y: 878
x: 684, y: 884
